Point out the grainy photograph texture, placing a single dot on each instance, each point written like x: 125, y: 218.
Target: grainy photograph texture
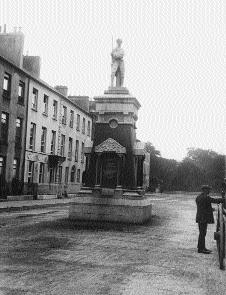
x: 112, y: 147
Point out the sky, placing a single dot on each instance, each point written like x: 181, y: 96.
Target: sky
x: 174, y: 60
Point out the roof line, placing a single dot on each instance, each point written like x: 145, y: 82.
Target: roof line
x: 43, y: 83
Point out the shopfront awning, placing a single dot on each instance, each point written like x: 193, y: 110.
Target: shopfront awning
x: 54, y: 160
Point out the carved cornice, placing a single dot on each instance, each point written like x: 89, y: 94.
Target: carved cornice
x: 110, y: 145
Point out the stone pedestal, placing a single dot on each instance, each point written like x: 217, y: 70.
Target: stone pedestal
x: 128, y: 208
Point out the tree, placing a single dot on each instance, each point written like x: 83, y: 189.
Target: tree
x: 154, y: 154
x: 197, y: 168
x: 189, y: 177
x: 210, y: 164
x: 149, y: 148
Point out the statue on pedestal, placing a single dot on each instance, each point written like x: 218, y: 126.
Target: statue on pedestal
x: 117, y: 67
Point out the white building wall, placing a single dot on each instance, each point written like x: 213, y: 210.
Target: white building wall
x: 41, y: 120
x: 75, y: 135
x: 38, y: 157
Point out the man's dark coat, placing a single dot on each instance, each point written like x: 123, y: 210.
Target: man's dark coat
x: 204, y: 208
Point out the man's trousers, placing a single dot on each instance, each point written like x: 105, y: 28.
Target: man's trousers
x: 202, y: 235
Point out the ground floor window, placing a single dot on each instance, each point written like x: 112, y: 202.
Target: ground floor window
x: 60, y: 174
x: 73, y: 170
x: 2, y: 166
x: 78, y: 175
x: 41, y: 173
x: 52, y: 173
x: 30, y: 171
x: 66, y: 174
x: 15, y: 168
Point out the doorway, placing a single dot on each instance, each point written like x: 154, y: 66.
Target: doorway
x: 109, y: 170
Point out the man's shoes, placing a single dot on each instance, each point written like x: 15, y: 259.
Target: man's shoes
x: 208, y: 250
x: 204, y: 251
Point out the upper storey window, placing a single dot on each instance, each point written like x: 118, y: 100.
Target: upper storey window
x: 45, y: 102
x: 78, y: 123
x: 89, y: 129
x: 71, y: 124
x: 21, y: 92
x: 83, y: 125
x: 34, y: 99
x: 4, y: 126
x: 6, y: 85
x: 64, y: 115
x: 55, y: 104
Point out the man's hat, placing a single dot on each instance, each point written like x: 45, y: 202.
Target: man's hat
x: 206, y: 187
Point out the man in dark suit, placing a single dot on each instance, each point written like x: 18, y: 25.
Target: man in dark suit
x: 204, y: 216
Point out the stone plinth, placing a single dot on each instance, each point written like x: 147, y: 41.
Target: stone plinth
x: 129, y: 208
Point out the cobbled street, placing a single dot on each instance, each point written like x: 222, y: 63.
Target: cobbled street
x: 42, y: 252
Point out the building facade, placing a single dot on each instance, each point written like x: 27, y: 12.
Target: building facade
x: 43, y: 131
x: 13, y: 112
x: 57, y: 130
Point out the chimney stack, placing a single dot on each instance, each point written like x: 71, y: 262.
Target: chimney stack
x: 32, y: 64
x: 81, y: 101
x: 12, y: 46
x: 62, y: 89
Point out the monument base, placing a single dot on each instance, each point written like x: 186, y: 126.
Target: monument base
x: 130, y: 207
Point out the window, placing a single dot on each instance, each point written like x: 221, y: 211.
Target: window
x: 64, y: 115
x: 30, y: 171
x: 4, y: 126
x: 15, y: 168
x: 41, y: 173
x: 78, y: 123
x: 43, y: 139
x: 83, y: 125
x: 70, y: 148
x: 66, y: 174
x: 82, y: 153
x: 45, y: 101
x: 55, y: 105
x: 18, y: 132
x: 6, y: 85
x: 32, y: 136
x: 89, y: 129
x: 60, y: 174
x: 73, y: 170
x: 76, y: 150
x: 78, y: 175
x: 21, y: 92
x: 62, y: 145
x: 2, y: 166
x: 71, y: 119
x: 53, y: 142
x: 34, y: 101
x: 51, y: 175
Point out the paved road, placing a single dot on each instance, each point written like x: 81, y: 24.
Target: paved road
x: 42, y: 252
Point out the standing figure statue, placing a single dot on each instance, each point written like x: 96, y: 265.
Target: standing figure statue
x: 117, y: 67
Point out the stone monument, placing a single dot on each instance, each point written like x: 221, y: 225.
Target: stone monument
x: 113, y: 179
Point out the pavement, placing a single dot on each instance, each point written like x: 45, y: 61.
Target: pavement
x: 8, y: 206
